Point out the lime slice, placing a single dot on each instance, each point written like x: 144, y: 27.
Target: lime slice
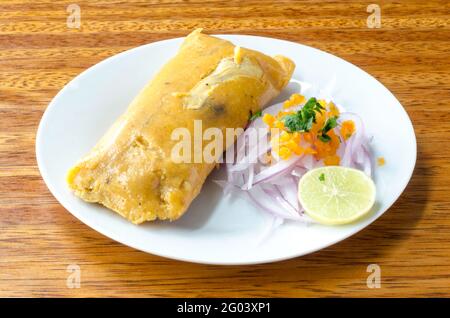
x: 336, y: 195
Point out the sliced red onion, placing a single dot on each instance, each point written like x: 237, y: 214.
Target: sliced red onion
x: 273, y: 188
x: 275, y: 170
x: 289, y: 195
x: 251, y: 174
x: 268, y: 202
x: 366, y: 161
x: 356, y: 153
x: 298, y: 171
x: 309, y: 162
x: 254, y: 155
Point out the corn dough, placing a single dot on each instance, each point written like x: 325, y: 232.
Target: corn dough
x: 130, y: 170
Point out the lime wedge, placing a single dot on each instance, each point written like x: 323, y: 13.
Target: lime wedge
x: 336, y: 195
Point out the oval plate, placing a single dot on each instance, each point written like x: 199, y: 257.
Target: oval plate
x: 217, y: 229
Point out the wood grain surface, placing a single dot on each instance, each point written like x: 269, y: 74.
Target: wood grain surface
x: 39, y: 54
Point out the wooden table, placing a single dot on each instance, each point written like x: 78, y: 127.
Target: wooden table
x: 39, y: 238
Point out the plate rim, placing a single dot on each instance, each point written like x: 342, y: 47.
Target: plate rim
x: 100, y: 228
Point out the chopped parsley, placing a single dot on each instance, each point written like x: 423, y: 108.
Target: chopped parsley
x: 304, y: 118
x: 322, y: 177
x: 255, y: 115
x: 329, y: 124
x: 324, y: 138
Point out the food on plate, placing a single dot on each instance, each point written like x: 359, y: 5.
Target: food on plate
x: 304, y: 134
x: 336, y: 195
x: 130, y: 169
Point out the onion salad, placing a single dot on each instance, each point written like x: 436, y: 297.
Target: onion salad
x: 286, y: 140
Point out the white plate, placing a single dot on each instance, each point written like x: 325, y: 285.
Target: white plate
x: 215, y: 229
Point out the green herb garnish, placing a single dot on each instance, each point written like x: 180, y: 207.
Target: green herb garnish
x: 324, y: 138
x: 322, y: 177
x: 304, y: 118
x: 255, y: 115
x: 329, y: 124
